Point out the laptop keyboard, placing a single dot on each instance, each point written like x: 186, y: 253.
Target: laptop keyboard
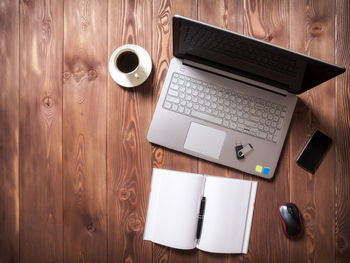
x: 225, y: 107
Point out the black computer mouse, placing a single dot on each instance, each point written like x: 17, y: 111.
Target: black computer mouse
x: 291, y: 219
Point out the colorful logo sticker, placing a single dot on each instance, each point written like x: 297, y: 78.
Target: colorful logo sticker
x: 264, y: 170
x: 258, y: 168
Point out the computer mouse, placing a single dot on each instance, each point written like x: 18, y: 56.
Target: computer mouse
x: 291, y: 219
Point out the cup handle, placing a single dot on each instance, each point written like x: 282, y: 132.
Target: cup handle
x: 136, y: 75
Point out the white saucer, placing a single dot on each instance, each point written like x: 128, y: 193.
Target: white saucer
x: 136, y: 77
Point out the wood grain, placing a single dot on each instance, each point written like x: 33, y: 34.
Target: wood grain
x: 9, y: 117
x: 129, y: 152
x: 40, y: 139
x: 342, y: 139
x: 313, y: 34
x: 84, y: 131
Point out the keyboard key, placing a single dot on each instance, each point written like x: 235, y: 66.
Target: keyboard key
x: 173, y: 86
x: 262, y: 135
x: 280, y: 123
x: 172, y: 99
x: 253, y: 118
x: 173, y: 93
x: 233, y: 125
x: 167, y: 105
x: 251, y: 124
x: 207, y: 117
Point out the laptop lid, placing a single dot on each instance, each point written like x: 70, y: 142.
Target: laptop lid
x: 249, y: 57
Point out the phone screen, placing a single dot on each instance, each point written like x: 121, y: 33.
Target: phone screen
x: 314, y: 150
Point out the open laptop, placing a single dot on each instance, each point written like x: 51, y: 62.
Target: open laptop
x: 229, y: 99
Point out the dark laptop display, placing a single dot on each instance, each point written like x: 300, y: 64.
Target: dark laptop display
x: 249, y: 57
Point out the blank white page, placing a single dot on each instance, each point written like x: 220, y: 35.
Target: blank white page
x: 173, y: 208
x: 225, y: 215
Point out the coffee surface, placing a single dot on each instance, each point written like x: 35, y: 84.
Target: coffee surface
x: 127, y: 62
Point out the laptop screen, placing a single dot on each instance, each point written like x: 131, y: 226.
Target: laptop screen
x: 248, y: 57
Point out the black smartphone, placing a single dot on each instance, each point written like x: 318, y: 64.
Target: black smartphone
x: 314, y: 150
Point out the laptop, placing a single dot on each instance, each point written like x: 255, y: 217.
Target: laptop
x: 229, y: 99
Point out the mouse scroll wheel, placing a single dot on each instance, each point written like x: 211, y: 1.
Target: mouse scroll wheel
x: 290, y: 210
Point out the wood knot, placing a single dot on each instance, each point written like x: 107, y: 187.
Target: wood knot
x: 158, y: 155
x: 164, y: 21
x: 269, y: 37
x: 316, y: 29
x: 46, y: 29
x: 66, y: 75
x: 134, y: 224
x: 124, y: 194
x: 47, y: 102
x: 342, y: 243
x: 92, y: 74
x: 90, y: 227
x: 164, y: 258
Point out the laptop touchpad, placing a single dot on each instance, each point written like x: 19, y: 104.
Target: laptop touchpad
x: 205, y: 140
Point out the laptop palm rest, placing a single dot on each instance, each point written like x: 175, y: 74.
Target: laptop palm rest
x: 205, y: 140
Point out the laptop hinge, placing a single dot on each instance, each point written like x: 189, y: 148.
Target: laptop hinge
x: 235, y: 77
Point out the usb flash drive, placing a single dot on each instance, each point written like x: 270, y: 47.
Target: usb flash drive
x: 238, y: 148
x: 246, y: 149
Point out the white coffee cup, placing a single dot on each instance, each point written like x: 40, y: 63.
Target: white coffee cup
x: 130, y: 65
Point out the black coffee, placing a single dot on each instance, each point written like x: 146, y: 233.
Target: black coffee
x: 127, y: 62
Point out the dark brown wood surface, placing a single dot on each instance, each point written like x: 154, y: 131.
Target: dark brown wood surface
x: 75, y: 164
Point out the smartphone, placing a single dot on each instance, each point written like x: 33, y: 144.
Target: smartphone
x: 314, y: 150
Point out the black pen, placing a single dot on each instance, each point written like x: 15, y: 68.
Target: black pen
x: 200, y: 218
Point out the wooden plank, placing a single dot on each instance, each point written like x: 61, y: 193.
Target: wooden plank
x: 163, y: 12
x: 40, y: 140
x: 269, y: 21
x: 342, y: 138
x: 84, y: 131
x: 9, y: 113
x: 228, y: 15
x: 129, y: 152
x: 313, y: 33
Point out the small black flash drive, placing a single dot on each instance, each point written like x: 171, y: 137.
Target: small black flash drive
x: 242, y: 151
x: 238, y: 148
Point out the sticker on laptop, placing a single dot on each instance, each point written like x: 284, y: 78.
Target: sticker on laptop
x: 264, y: 170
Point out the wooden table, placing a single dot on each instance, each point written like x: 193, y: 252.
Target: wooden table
x: 75, y: 164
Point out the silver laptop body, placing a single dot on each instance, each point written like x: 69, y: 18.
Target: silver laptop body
x: 235, y: 113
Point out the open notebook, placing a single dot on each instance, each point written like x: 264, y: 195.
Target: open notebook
x: 174, y: 204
